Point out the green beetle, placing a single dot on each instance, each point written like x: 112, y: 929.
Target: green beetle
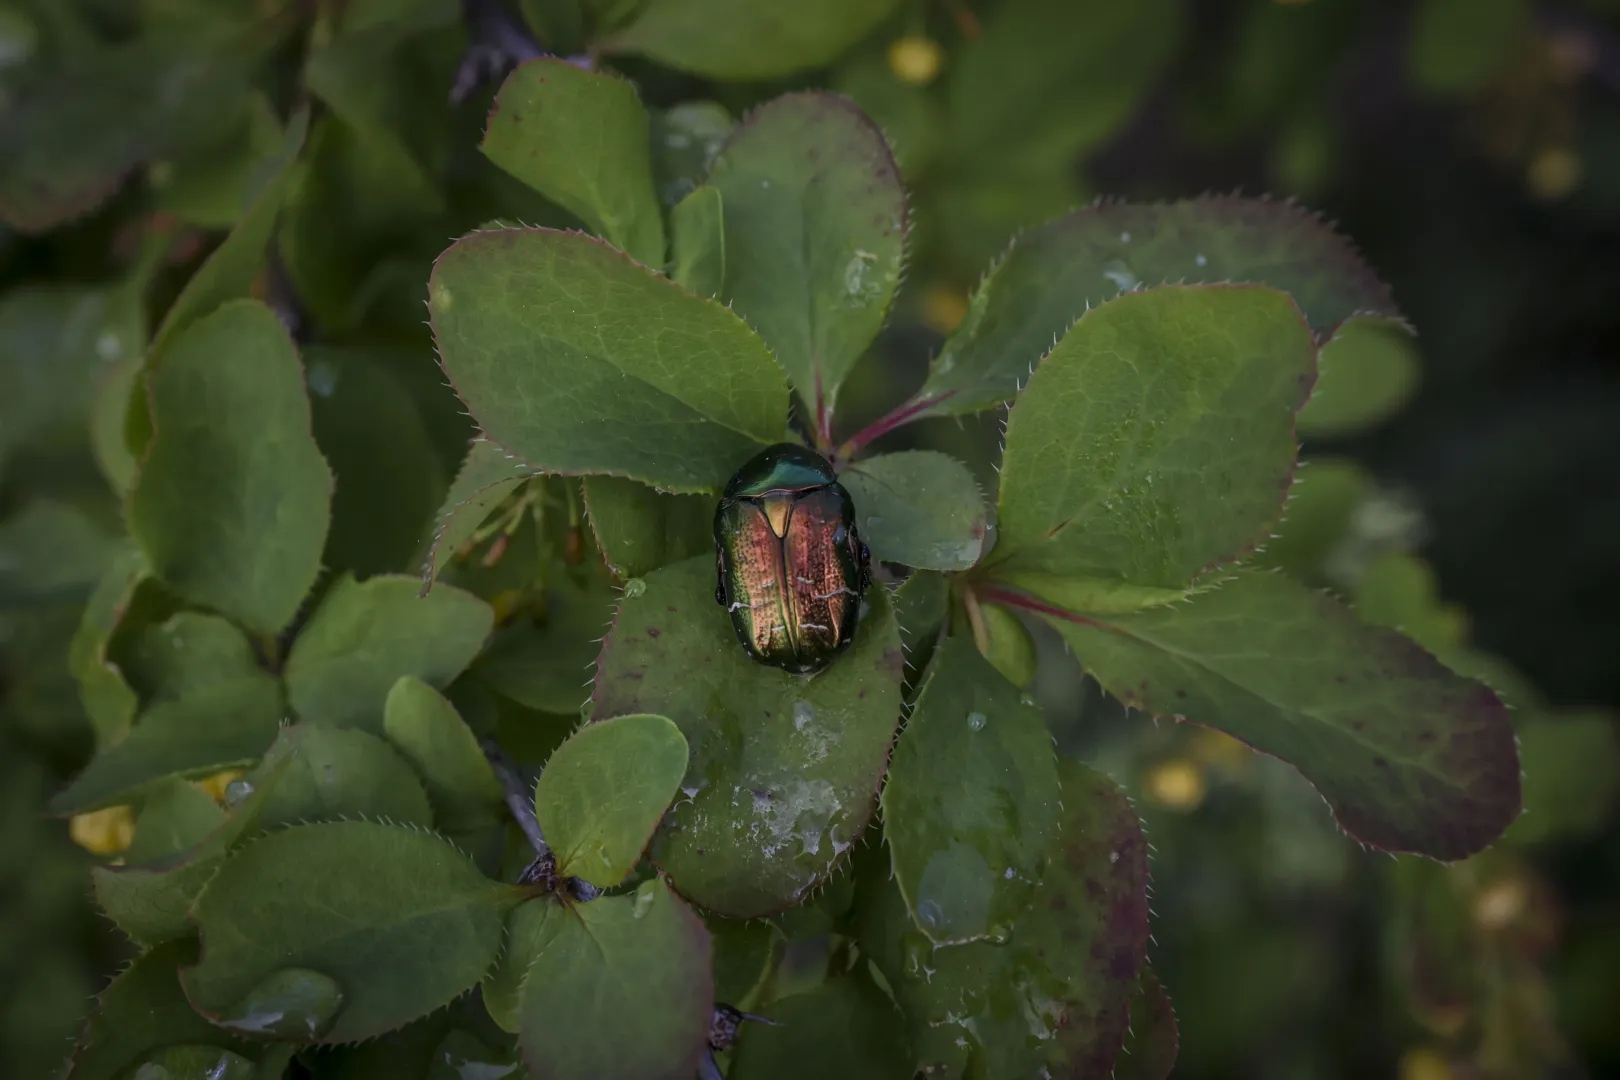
x: 791, y: 564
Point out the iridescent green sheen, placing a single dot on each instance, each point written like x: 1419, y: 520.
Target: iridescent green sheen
x: 790, y: 562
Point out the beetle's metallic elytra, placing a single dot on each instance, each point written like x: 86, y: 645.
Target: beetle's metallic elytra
x: 791, y: 564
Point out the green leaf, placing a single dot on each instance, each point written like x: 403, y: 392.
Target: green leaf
x: 1007, y: 645
x: 366, y: 635
x: 636, y: 966
x: 971, y: 804
x: 109, y: 418
x: 1409, y: 756
x: 1153, y: 1037
x: 546, y: 664
x: 918, y: 507
x: 389, y: 481
x: 921, y: 603
x: 109, y: 700
x: 845, y: 1028
x: 815, y: 232
x: 210, y: 186
x: 698, y: 242
x: 784, y: 770
x: 232, y: 502
x: 49, y: 552
x: 1054, y: 274
x: 640, y: 530
x: 151, y: 902
x: 1055, y: 996
x: 1156, y: 440
x: 686, y: 138
x: 175, y: 815
x: 580, y: 138
x: 70, y: 139
x: 229, y: 271
x: 400, y: 920
x: 605, y: 790
x: 1368, y: 371
x: 487, y: 477
x: 577, y: 360
x: 426, y: 728
x: 214, y: 707
x: 1045, y: 80
x: 740, y: 39
x: 142, y: 1012
x: 746, y: 955
x: 334, y: 774
x: 530, y: 928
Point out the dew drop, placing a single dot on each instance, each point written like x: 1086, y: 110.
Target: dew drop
x: 928, y: 913
x: 294, y: 1003
x: 462, y: 1056
x: 1200, y: 260
x: 193, y: 1063
x: 976, y: 721
x: 999, y: 934
x: 237, y: 792
x: 634, y: 587
x: 322, y: 378
x: 1123, y: 277
x: 108, y: 347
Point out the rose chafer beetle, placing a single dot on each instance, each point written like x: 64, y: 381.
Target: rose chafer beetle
x: 791, y: 564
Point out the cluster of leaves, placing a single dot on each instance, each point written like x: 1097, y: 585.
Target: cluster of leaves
x: 380, y: 853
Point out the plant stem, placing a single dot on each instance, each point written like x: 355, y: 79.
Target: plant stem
x: 518, y: 797
x: 900, y: 416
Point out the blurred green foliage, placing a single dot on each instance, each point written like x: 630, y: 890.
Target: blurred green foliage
x: 1472, y: 147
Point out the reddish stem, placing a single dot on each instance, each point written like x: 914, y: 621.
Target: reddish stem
x: 1019, y: 600
x: 905, y: 414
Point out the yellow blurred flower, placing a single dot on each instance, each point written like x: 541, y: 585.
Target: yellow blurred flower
x: 1554, y: 174
x: 943, y: 308
x: 103, y: 832
x: 915, y: 59
x: 1177, y: 784
x: 1424, y: 1065
x: 1500, y: 903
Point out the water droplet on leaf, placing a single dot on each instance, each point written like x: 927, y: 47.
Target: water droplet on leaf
x: 634, y: 588
x: 294, y: 1003
x: 976, y: 721
x: 1123, y: 277
x: 194, y: 1063
x: 236, y: 792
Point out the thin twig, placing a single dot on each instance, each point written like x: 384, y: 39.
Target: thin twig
x: 518, y: 797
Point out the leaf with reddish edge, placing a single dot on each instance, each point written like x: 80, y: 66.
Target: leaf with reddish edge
x: 1154, y: 1039
x: 579, y: 360
x: 1055, y: 996
x: 971, y: 804
x: 487, y: 476
x: 784, y: 769
x: 1154, y: 442
x: 580, y: 138
x: 1409, y: 756
x: 1053, y: 274
x: 635, y: 965
x: 143, y: 1010
x: 814, y: 234
x: 398, y: 918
